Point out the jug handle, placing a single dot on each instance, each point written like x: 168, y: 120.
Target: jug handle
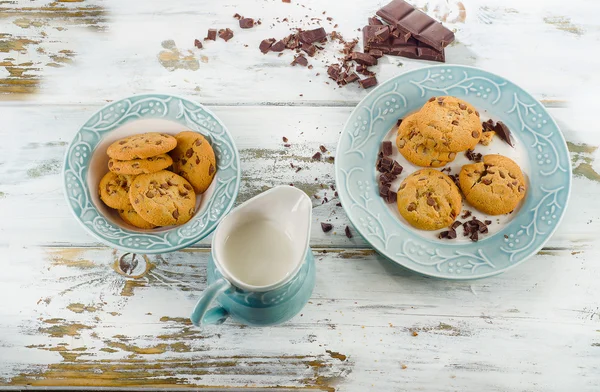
x: 201, y: 315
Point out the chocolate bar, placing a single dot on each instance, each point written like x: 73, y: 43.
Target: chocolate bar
x: 399, y: 46
x: 417, y: 24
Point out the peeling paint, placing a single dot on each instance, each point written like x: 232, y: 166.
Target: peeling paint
x: 172, y: 58
x: 63, y: 329
x: 564, y: 24
x: 336, y: 355
x: 582, y: 160
x: 80, y: 308
x: 44, y: 168
x: 157, y: 349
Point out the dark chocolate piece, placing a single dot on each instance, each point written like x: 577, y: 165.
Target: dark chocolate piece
x: 246, y: 23
x: 323, y: 149
x: 473, y: 156
x: 317, y: 156
x: 351, y: 78
x: 198, y: 44
x: 309, y: 49
x: 474, y: 236
x: 392, y: 197
x: 347, y: 231
x: 226, y: 34
x: 398, y: 122
x: 310, y: 36
x: 387, y: 178
x: 300, y: 59
x: 504, y: 133
x: 408, y: 19
x: 466, y: 214
x: 368, y: 82
x: 266, y: 44
x: 375, y: 21
x: 385, y: 164
x: 386, y: 147
x: 456, y: 224
x: 487, y: 222
x: 334, y: 71
x: 396, y: 168
x: 384, y: 189
x: 326, y: 227
x: 381, y: 34
x: 363, y: 58
x: 212, y: 34
x: 237, y: 16
x: 278, y: 46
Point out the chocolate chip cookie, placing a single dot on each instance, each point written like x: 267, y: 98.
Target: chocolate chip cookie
x: 494, y: 186
x: 163, y: 198
x: 114, y: 190
x: 429, y: 199
x: 453, y: 123
x: 141, y: 146
x: 133, y: 218
x: 140, y: 166
x: 194, y: 160
x: 419, y: 149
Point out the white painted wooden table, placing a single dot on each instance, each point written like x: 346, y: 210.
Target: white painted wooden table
x: 67, y: 319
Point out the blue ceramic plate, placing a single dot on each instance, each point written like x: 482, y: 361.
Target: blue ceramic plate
x: 86, y: 163
x: 543, y: 152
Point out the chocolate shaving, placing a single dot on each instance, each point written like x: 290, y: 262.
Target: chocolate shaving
x: 466, y: 214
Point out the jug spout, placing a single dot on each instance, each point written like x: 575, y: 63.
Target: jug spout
x: 287, y: 209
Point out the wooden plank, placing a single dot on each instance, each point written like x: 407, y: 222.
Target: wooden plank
x: 370, y: 325
x: 65, y: 48
x: 32, y: 200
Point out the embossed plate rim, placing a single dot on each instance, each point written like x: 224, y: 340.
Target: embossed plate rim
x: 515, y: 96
x: 233, y: 164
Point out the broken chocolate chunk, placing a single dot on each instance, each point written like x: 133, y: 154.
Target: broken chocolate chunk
x: 456, y: 224
x: 310, y: 36
x: 363, y: 58
x: 309, y: 49
x: 396, y: 168
x: 351, y: 78
x: 198, y: 44
x: 226, y: 34
x: 387, y: 178
x: 323, y: 149
x: 334, y: 71
x: 374, y: 21
x: 212, y: 35
x: 386, y: 148
x: 385, y: 164
x: 377, y: 53
x: 300, y: 59
x: 392, y: 197
x: 246, y: 23
x: 278, y: 46
x: 384, y: 189
x: 368, y: 82
x: 504, y: 133
x: 316, y: 157
x: 326, y: 227
x: 266, y: 44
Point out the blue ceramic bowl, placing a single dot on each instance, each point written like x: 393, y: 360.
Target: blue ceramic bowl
x: 544, y: 153
x: 86, y: 162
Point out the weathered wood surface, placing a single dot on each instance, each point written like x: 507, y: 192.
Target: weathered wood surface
x: 68, y: 319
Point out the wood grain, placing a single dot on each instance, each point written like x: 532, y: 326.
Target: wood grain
x: 370, y: 325
x: 30, y: 170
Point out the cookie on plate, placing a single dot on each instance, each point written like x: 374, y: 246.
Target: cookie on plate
x: 114, y: 190
x: 194, y: 160
x: 453, y: 123
x: 163, y: 198
x: 418, y: 149
x: 134, y: 219
x: 141, y: 146
x: 494, y: 186
x: 140, y: 166
x: 429, y: 200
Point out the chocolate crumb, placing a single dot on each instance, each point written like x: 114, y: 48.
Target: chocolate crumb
x: 285, y: 139
x: 316, y: 157
x: 298, y: 169
x: 473, y: 156
x: 488, y: 222
x: 323, y: 149
x: 466, y: 214
x: 246, y: 23
x: 326, y: 227
x: 287, y: 145
x: 212, y: 35
x: 198, y: 44
x: 338, y: 204
x: 226, y: 34
x: 300, y: 59
x: 348, y: 232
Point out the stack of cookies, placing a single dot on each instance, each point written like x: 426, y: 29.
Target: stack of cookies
x: 154, y: 178
x: 429, y: 199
